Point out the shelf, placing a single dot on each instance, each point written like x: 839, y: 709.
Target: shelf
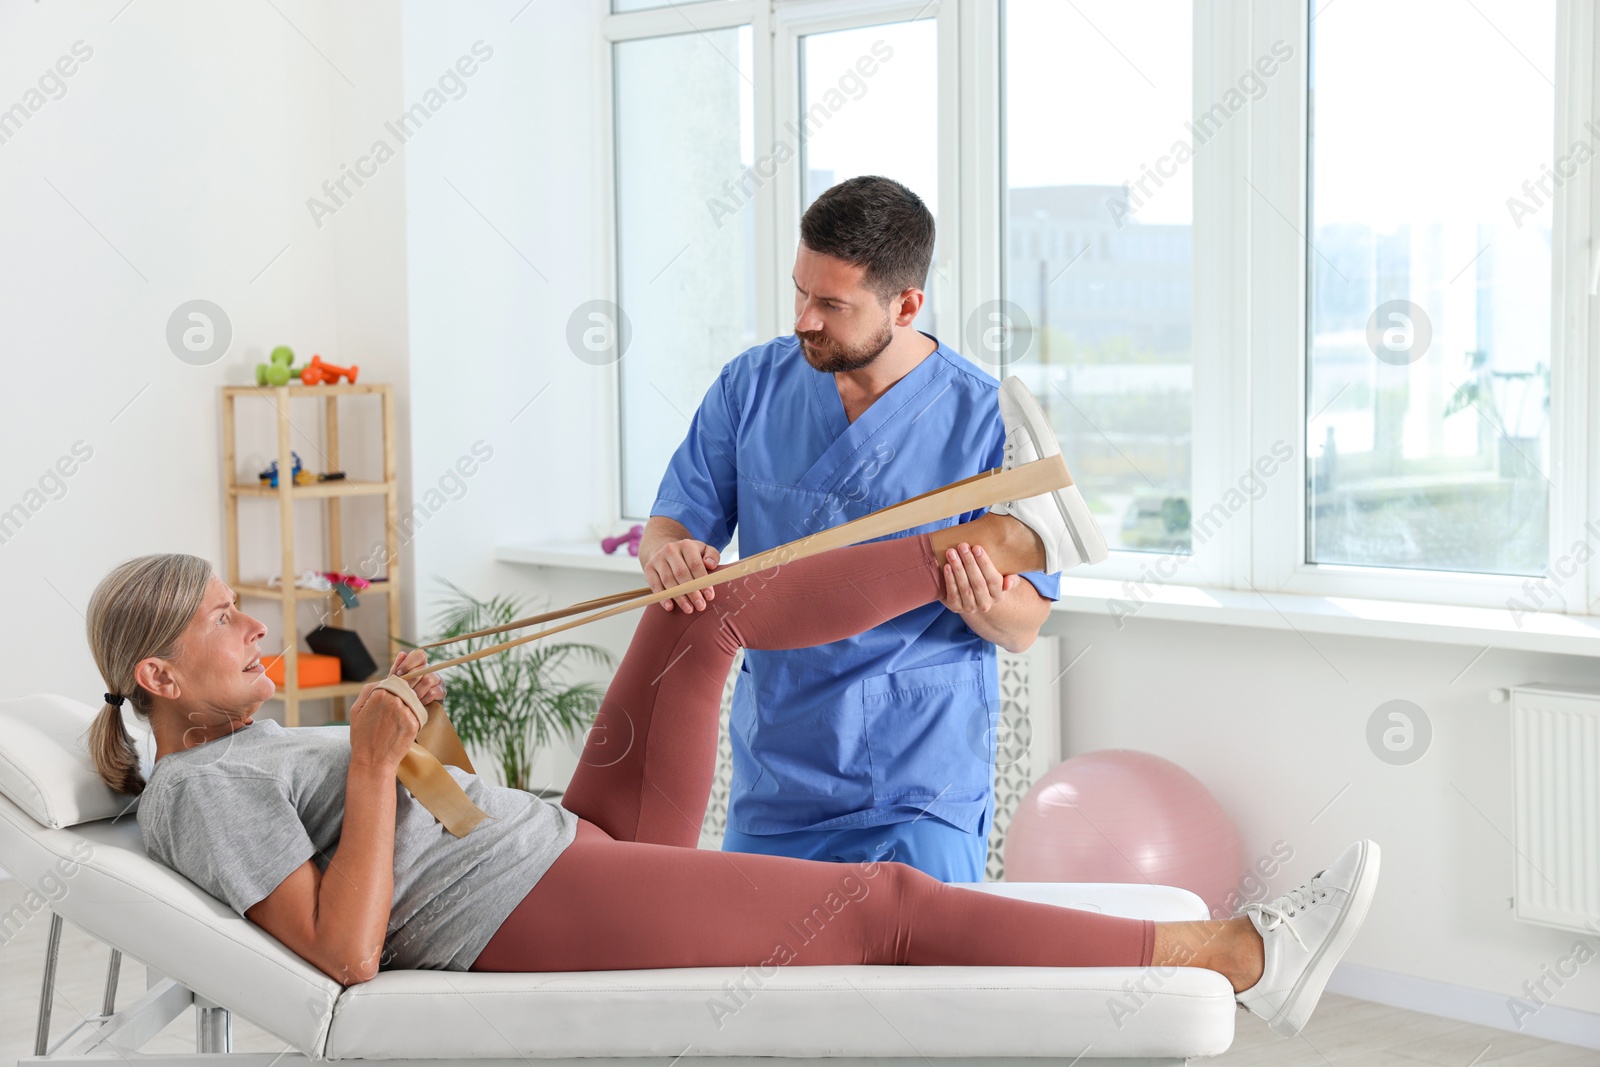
x: 239, y: 483
x: 320, y: 489
x: 322, y: 692
x: 296, y: 392
x: 268, y: 592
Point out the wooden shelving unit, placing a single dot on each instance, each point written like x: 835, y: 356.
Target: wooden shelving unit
x: 288, y: 594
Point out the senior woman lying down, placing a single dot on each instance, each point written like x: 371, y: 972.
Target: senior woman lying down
x: 307, y: 833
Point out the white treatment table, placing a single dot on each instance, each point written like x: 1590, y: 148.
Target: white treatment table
x: 55, y: 816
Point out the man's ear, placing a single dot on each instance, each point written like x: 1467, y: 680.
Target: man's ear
x: 906, y: 306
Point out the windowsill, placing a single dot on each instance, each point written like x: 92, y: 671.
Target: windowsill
x: 577, y: 555
x: 1385, y: 619
x: 1577, y: 635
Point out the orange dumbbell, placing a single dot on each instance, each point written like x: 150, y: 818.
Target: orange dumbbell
x: 319, y: 373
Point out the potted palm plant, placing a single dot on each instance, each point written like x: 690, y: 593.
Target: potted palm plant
x: 514, y: 703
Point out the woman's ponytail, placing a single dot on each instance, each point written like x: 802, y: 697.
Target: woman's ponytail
x: 116, y: 757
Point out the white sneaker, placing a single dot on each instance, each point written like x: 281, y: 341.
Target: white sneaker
x: 1061, y: 519
x: 1304, y: 932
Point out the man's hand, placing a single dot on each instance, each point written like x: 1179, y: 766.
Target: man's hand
x: 677, y: 562
x: 972, y: 583
x: 1002, y: 609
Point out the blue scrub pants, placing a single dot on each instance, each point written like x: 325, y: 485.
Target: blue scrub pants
x: 929, y: 844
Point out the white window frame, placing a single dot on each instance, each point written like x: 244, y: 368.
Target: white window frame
x: 776, y: 30
x: 669, y: 21
x: 1278, y: 325
x: 1218, y: 329
x: 796, y: 19
x: 1249, y: 329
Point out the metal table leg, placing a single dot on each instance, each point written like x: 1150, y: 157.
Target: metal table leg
x: 113, y: 972
x: 52, y: 950
x: 213, y: 1028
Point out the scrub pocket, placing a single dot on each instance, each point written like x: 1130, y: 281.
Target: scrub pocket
x: 929, y: 733
x: 812, y: 757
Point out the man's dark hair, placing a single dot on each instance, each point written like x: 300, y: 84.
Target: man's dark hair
x: 876, y: 223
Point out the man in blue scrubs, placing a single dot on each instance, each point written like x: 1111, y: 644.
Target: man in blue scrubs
x: 880, y: 746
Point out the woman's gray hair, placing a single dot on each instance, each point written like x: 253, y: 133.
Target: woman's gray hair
x: 139, y: 610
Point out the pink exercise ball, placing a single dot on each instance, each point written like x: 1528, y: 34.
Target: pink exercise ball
x: 1125, y: 816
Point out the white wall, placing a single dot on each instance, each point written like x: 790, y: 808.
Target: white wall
x: 1265, y: 720
x: 187, y: 145
x: 191, y: 140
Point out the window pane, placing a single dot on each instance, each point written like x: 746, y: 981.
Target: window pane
x: 1098, y: 265
x: 1427, y: 403
x: 869, y: 105
x: 685, y: 246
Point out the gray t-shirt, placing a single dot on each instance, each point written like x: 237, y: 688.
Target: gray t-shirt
x: 238, y: 814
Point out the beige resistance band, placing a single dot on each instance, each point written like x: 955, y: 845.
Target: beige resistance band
x: 432, y: 785
x: 422, y: 768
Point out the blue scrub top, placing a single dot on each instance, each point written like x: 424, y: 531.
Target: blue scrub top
x: 897, y: 722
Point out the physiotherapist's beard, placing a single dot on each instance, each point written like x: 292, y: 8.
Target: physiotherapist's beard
x: 830, y: 357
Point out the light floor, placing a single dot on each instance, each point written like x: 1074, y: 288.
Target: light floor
x: 1343, y: 1030
x: 1348, y: 1031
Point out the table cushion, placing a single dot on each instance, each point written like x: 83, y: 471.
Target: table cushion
x: 45, y: 767
x: 931, y: 1012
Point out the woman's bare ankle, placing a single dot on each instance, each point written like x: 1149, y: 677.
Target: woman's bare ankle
x: 1250, y: 956
x: 1231, y: 947
x: 1011, y: 544
x: 1027, y: 547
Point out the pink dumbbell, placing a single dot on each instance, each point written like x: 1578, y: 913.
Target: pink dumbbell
x: 631, y: 539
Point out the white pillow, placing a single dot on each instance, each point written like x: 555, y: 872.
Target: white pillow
x: 45, y: 767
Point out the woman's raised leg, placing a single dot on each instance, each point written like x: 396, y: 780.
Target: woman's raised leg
x: 646, y: 769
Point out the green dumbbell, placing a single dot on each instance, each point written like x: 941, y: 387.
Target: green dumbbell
x: 279, y: 371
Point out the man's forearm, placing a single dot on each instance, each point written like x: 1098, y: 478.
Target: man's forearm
x: 1013, y: 623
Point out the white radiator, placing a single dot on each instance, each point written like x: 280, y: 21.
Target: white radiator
x: 1555, y: 745
x: 1029, y: 742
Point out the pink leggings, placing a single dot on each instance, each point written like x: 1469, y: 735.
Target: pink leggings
x: 634, y: 891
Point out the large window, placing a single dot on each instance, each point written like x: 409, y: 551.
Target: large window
x: 1303, y: 286
x: 685, y: 237
x: 1429, y: 285
x: 1098, y: 262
